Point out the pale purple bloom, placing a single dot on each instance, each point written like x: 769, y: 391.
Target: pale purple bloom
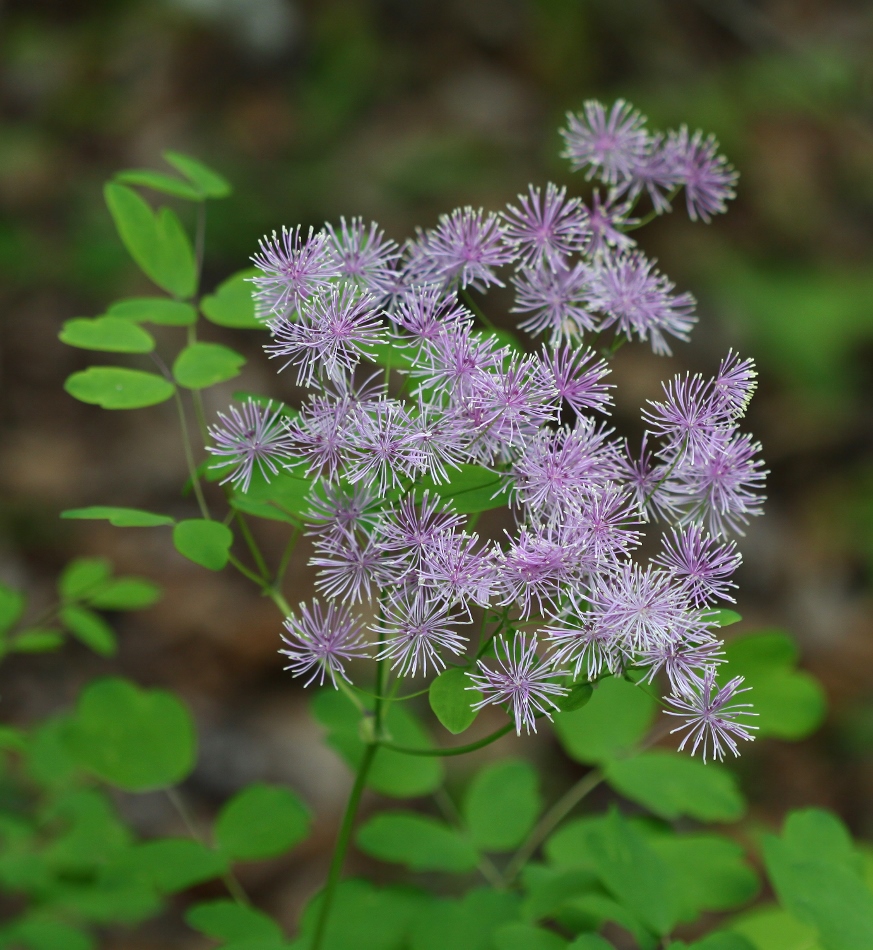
x: 439, y: 439
x: 632, y: 295
x: 604, y: 222
x: 294, y: 268
x: 409, y: 528
x: 586, y: 644
x: 320, y: 433
x: 736, y: 382
x: 456, y: 570
x: 609, y: 519
x: 331, y: 334
x: 711, y: 720
x: 703, y: 565
x: 544, y: 228
x: 320, y: 640
x: 657, y: 171
x: 647, y: 479
x: 423, y: 312
x: 556, y: 296
x: 577, y: 375
x: 683, y: 661
x: 466, y: 247
x: 415, y: 628
x: 522, y: 679
x: 710, y: 181
x: 339, y: 512
x: 455, y: 358
x: 350, y: 568
x: 610, y: 146
x: 251, y: 435
x: 364, y: 256
x: 380, y: 450
x: 691, y: 418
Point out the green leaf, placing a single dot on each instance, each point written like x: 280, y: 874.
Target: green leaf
x: 209, y: 182
x: 204, y: 364
x: 227, y: 920
x: 549, y: 889
x: 159, y: 310
x: 570, y: 845
x: 172, y: 864
x: 790, y: 703
x: 470, y: 489
x: 232, y: 304
x: 92, y: 833
x: 390, y: 355
x: 114, y: 387
x: 634, y: 873
x: 580, y: 695
x: 722, y: 618
x: 262, y: 509
x: 157, y: 243
x: 44, y: 934
x: 392, y: 773
x: 286, y: 492
x: 451, y: 700
x: 723, y: 940
x: 420, y: 842
x: 772, y: 928
x: 48, y: 761
x: 118, y: 517
x: 590, y: 942
x: 261, y: 822
x: 82, y: 576
x: 132, y: 738
x: 126, y: 593
x: 502, y: 804
x: 37, y: 640
x: 671, y: 784
x: 617, y: 717
x: 525, y: 937
x: 11, y: 607
x: 204, y: 542
x: 90, y: 628
x: 465, y: 924
x: 159, y: 181
x: 112, y: 334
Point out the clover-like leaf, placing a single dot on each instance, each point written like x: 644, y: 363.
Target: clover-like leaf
x: 502, y: 804
x: 204, y: 364
x: 451, y: 700
x: 90, y: 628
x: 261, y: 822
x: 112, y: 334
x: 232, y: 304
x: 208, y: 181
x: 116, y: 387
x: 205, y: 542
x: 418, y: 841
x: 159, y: 310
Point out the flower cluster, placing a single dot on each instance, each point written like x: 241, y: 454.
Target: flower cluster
x: 449, y: 406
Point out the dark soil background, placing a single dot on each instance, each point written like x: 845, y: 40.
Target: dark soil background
x: 398, y: 110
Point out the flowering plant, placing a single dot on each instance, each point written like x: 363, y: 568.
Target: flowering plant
x: 420, y: 420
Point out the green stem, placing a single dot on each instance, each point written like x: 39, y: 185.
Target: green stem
x: 245, y: 531
x: 342, y: 844
x: 189, y: 457
x: 238, y: 564
x: 468, y: 300
x: 457, y: 750
x: 453, y: 816
x: 286, y: 555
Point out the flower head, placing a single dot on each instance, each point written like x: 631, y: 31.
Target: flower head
x: 253, y: 434
x: 293, y: 268
x: 320, y: 640
x: 364, y: 256
x: 467, y: 246
x: 556, y: 296
x: 708, y: 178
x: 415, y: 628
x: 577, y: 375
x: 544, y: 228
x: 610, y: 146
x: 702, y: 564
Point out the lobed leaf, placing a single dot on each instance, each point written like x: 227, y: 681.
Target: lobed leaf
x: 418, y: 841
x: 159, y: 181
x: 465, y: 924
x: 206, y: 543
x: 115, y: 387
x: 82, y: 576
x: 232, y: 304
x: 110, y: 334
x: 172, y: 864
x: 90, y: 629
x: 36, y: 640
x: 126, y: 593
x: 470, y: 489
x: 227, y: 920
x: 202, y: 365
x: 260, y: 822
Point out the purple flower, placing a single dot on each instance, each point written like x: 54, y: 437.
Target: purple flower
x: 253, y: 434
x: 456, y: 570
x: 349, y: 568
x: 683, y: 661
x: 329, y: 337
x: 691, y: 418
x: 708, y: 177
x: 556, y: 296
x: 609, y: 519
x: 423, y: 312
x: 576, y: 374
x: 523, y: 680
x: 657, y: 172
x: 632, y: 295
x: 320, y: 641
x: 339, y: 513
x: 604, y: 223
x: 544, y: 228
x: 451, y: 362
x: 711, y: 720
x: 412, y: 526
x: 647, y: 480
x: 736, y: 382
x: 380, y: 448
x: 415, y: 628
x: 702, y: 564
x: 439, y: 439
x: 583, y: 643
x: 364, y: 256
x: 293, y: 270
x: 465, y: 248
x: 609, y: 145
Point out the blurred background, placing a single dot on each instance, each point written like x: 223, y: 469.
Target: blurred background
x: 398, y: 110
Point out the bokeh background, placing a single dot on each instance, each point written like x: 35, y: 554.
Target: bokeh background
x: 398, y: 110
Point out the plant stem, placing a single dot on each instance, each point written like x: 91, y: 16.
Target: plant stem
x: 189, y: 457
x: 457, y: 750
x: 468, y: 300
x: 453, y: 816
x: 544, y: 827
x: 342, y: 844
x: 246, y: 532
x: 286, y: 556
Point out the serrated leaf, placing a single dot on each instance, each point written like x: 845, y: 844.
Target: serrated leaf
x: 451, y: 700
x: 502, y: 804
x: 208, y: 181
x: 616, y: 718
x: 126, y: 593
x: 227, y: 920
x: 158, y: 310
x: 90, y: 629
x: 119, y: 517
x: 419, y: 842
x: 159, y: 181
x: 204, y: 364
x: 37, y: 640
x: 172, y: 864
x: 232, y: 304
x: 11, y: 607
x: 110, y: 334
x: 132, y: 738
x: 260, y: 822
x: 82, y: 576
x: 671, y: 784
x: 114, y: 387
x: 204, y: 542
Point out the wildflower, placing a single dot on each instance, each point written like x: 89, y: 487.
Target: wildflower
x: 252, y: 435
x: 736, y: 382
x: 423, y: 312
x: 411, y: 527
x: 339, y: 513
x: 320, y: 640
x: 657, y: 172
x: 293, y: 269
x: 544, y: 228
x: 556, y: 296
x: 466, y: 247
x: 380, y: 448
x: 604, y: 221
x: 415, y: 627
x: 702, y: 564
x: 364, y: 256
x: 523, y: 680
x: 456, y: 570
x: 350, y: 568
x: 610, y: 146
x: 682, y: 661
x: 691, y: 418
x: 576, y: 374
x: 711, y: 720
x: 708, y: 178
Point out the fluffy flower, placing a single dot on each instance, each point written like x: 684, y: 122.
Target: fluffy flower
x: 576, y: 375
x: 415, y: 628
x: 708, y: 178
x: 320, y: 640
x: 252, y: 435
x: 544, y: 228
x: 703, y: 564
x: 467, y: 247
x: 293, y: 269
x: 556, y: 296
x: 610, y: 146
x: 364, y: 256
